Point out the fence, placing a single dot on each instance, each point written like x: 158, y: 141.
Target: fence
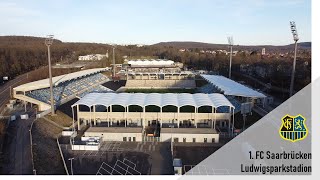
x: 86, y: 147
x: 30, y: 135
x: 61, y: 154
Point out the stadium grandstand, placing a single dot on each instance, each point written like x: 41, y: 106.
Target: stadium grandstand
x: 196, y: 115
x: 233, y: 90
x: 157, y: 73
x: 160, y: 80
x: 65, y: 88
x: 153, y: 65
x: 136, y: 116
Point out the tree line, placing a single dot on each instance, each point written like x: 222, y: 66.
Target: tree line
x: 19, y: 54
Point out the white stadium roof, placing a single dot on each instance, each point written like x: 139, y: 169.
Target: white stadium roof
x: 230, y: 87
x: 44, y: 83
x: 151, y: 62
x: 157, y: 99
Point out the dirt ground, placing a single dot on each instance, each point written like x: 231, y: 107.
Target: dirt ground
x: 61, y: 119
x: 46, y: 154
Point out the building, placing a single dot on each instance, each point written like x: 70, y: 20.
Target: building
x: 93, y: 57
x: 263, y: 51
x: 162, y: 117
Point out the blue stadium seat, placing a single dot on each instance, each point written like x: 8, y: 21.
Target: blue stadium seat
x: 72, y: 87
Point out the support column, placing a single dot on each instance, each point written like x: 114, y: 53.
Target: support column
x: 195, y: 116
x: 215, y: 118
x: 108, y: 120
x: 144, y: 117
x: 90, y: 117
x: 25, y: 102
x: 230, y: 118
x: 111, y: 118
x: 73, y: 127
x: 178, y: 116
x: 94, y: 115
x: 212, y: 111
x: 78, y: 119
x: 232, y: 121
x: 126, y: 113
x: 72, y: 118
x: 161, y: 117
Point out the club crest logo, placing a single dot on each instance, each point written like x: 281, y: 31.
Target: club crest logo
x: 293, y: 128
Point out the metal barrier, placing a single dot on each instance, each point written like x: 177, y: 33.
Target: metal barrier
x: 61, y: 154
x: 30, y: 135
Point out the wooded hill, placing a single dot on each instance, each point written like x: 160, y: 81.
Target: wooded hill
x: 201, y: 45
x: 21, y: 54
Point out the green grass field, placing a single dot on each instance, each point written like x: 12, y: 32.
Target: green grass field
x: 160, y: 91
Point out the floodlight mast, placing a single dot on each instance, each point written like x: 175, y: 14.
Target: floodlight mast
x: 296, y: 39
x: 48, y: 42
x: 230, y: 41
x: 114, y: 63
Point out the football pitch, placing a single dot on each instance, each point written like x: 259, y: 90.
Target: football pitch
x: 192, y: 91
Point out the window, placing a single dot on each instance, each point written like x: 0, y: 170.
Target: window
x: 134, y: 139
x: 184, y: 140
x: 129, y: 138
x: 194, y: 140
x: 205, y: 140
x: 124, y: 138
x: 213, y: 140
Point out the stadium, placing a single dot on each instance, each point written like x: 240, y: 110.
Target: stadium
x: 148, y: 108
x: 126, y: 113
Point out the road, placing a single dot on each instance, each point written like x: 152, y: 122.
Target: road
x: 5, y: 89
x: 17, y: 148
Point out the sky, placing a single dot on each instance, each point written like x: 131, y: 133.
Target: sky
x: 250, y: 22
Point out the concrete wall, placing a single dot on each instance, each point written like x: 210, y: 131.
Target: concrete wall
x: 189, y: 137
x: 86, y: 147
x: 163, y: 138
x: 154, y: 83
x: 42, y: 106
x: 115, y: 136
x: 103, y: 116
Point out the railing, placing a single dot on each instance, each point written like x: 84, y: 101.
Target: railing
x: 30, y: 135
x: 224, y: 134
x: 62, y: 157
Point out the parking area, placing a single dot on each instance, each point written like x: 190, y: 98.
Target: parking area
x: 193, y: 154
x: 125, y: 167
x: 124, y: 158
x: 203, y: 170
